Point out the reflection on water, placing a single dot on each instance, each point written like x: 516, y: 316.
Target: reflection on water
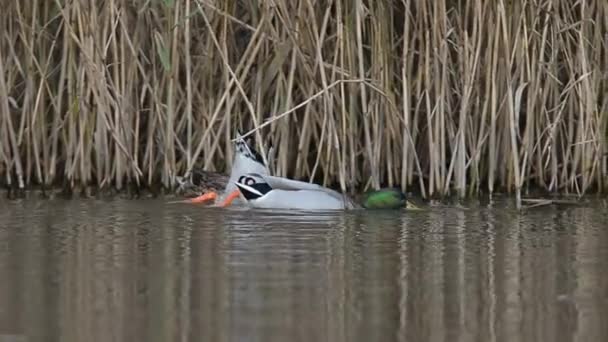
x: 150, y: 271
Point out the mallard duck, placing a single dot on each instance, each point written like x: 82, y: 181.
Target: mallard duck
x: 197, y: 182
x: 265, y: 191
x: 221, y: 188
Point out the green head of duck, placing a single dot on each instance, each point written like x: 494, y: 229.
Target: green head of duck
x: 387, y: 198
x: 384, y: 199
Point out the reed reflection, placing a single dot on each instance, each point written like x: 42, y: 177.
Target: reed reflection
x: 144, y: 270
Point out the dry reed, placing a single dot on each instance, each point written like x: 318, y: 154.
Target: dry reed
x: 441, y: 97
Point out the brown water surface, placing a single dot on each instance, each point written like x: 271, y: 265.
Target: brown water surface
x: 145, y: 270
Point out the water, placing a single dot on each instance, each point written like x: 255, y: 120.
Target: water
x: 149, y: 271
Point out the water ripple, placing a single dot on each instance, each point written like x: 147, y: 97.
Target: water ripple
x: 180, y: 271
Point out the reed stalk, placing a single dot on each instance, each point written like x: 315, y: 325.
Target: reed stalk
x: 438, y: 97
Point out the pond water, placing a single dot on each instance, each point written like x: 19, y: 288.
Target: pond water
x: 145, y: 270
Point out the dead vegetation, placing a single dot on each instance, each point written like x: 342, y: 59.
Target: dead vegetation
x: 441, y: 97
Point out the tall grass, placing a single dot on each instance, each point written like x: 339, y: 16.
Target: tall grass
x: 441, y: 97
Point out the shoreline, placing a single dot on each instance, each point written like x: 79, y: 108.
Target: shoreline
x: 158, y: 191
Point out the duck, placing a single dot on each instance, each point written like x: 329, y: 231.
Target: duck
x: 219, y: 188
x: 272, y: 192
x: 196, y: 182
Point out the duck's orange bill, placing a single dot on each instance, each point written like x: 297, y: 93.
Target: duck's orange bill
x: 208, y: 196
x: 231, y: 197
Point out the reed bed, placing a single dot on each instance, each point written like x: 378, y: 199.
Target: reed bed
x: 439, y: 97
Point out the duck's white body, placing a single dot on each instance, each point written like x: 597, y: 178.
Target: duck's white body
x: 299, y: 199
x: 265, y: 191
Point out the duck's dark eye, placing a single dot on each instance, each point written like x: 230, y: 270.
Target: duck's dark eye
x: 246, y: 180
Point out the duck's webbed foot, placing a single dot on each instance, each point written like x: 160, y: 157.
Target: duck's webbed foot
x: 230, y: 198
x: 208, y: 196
